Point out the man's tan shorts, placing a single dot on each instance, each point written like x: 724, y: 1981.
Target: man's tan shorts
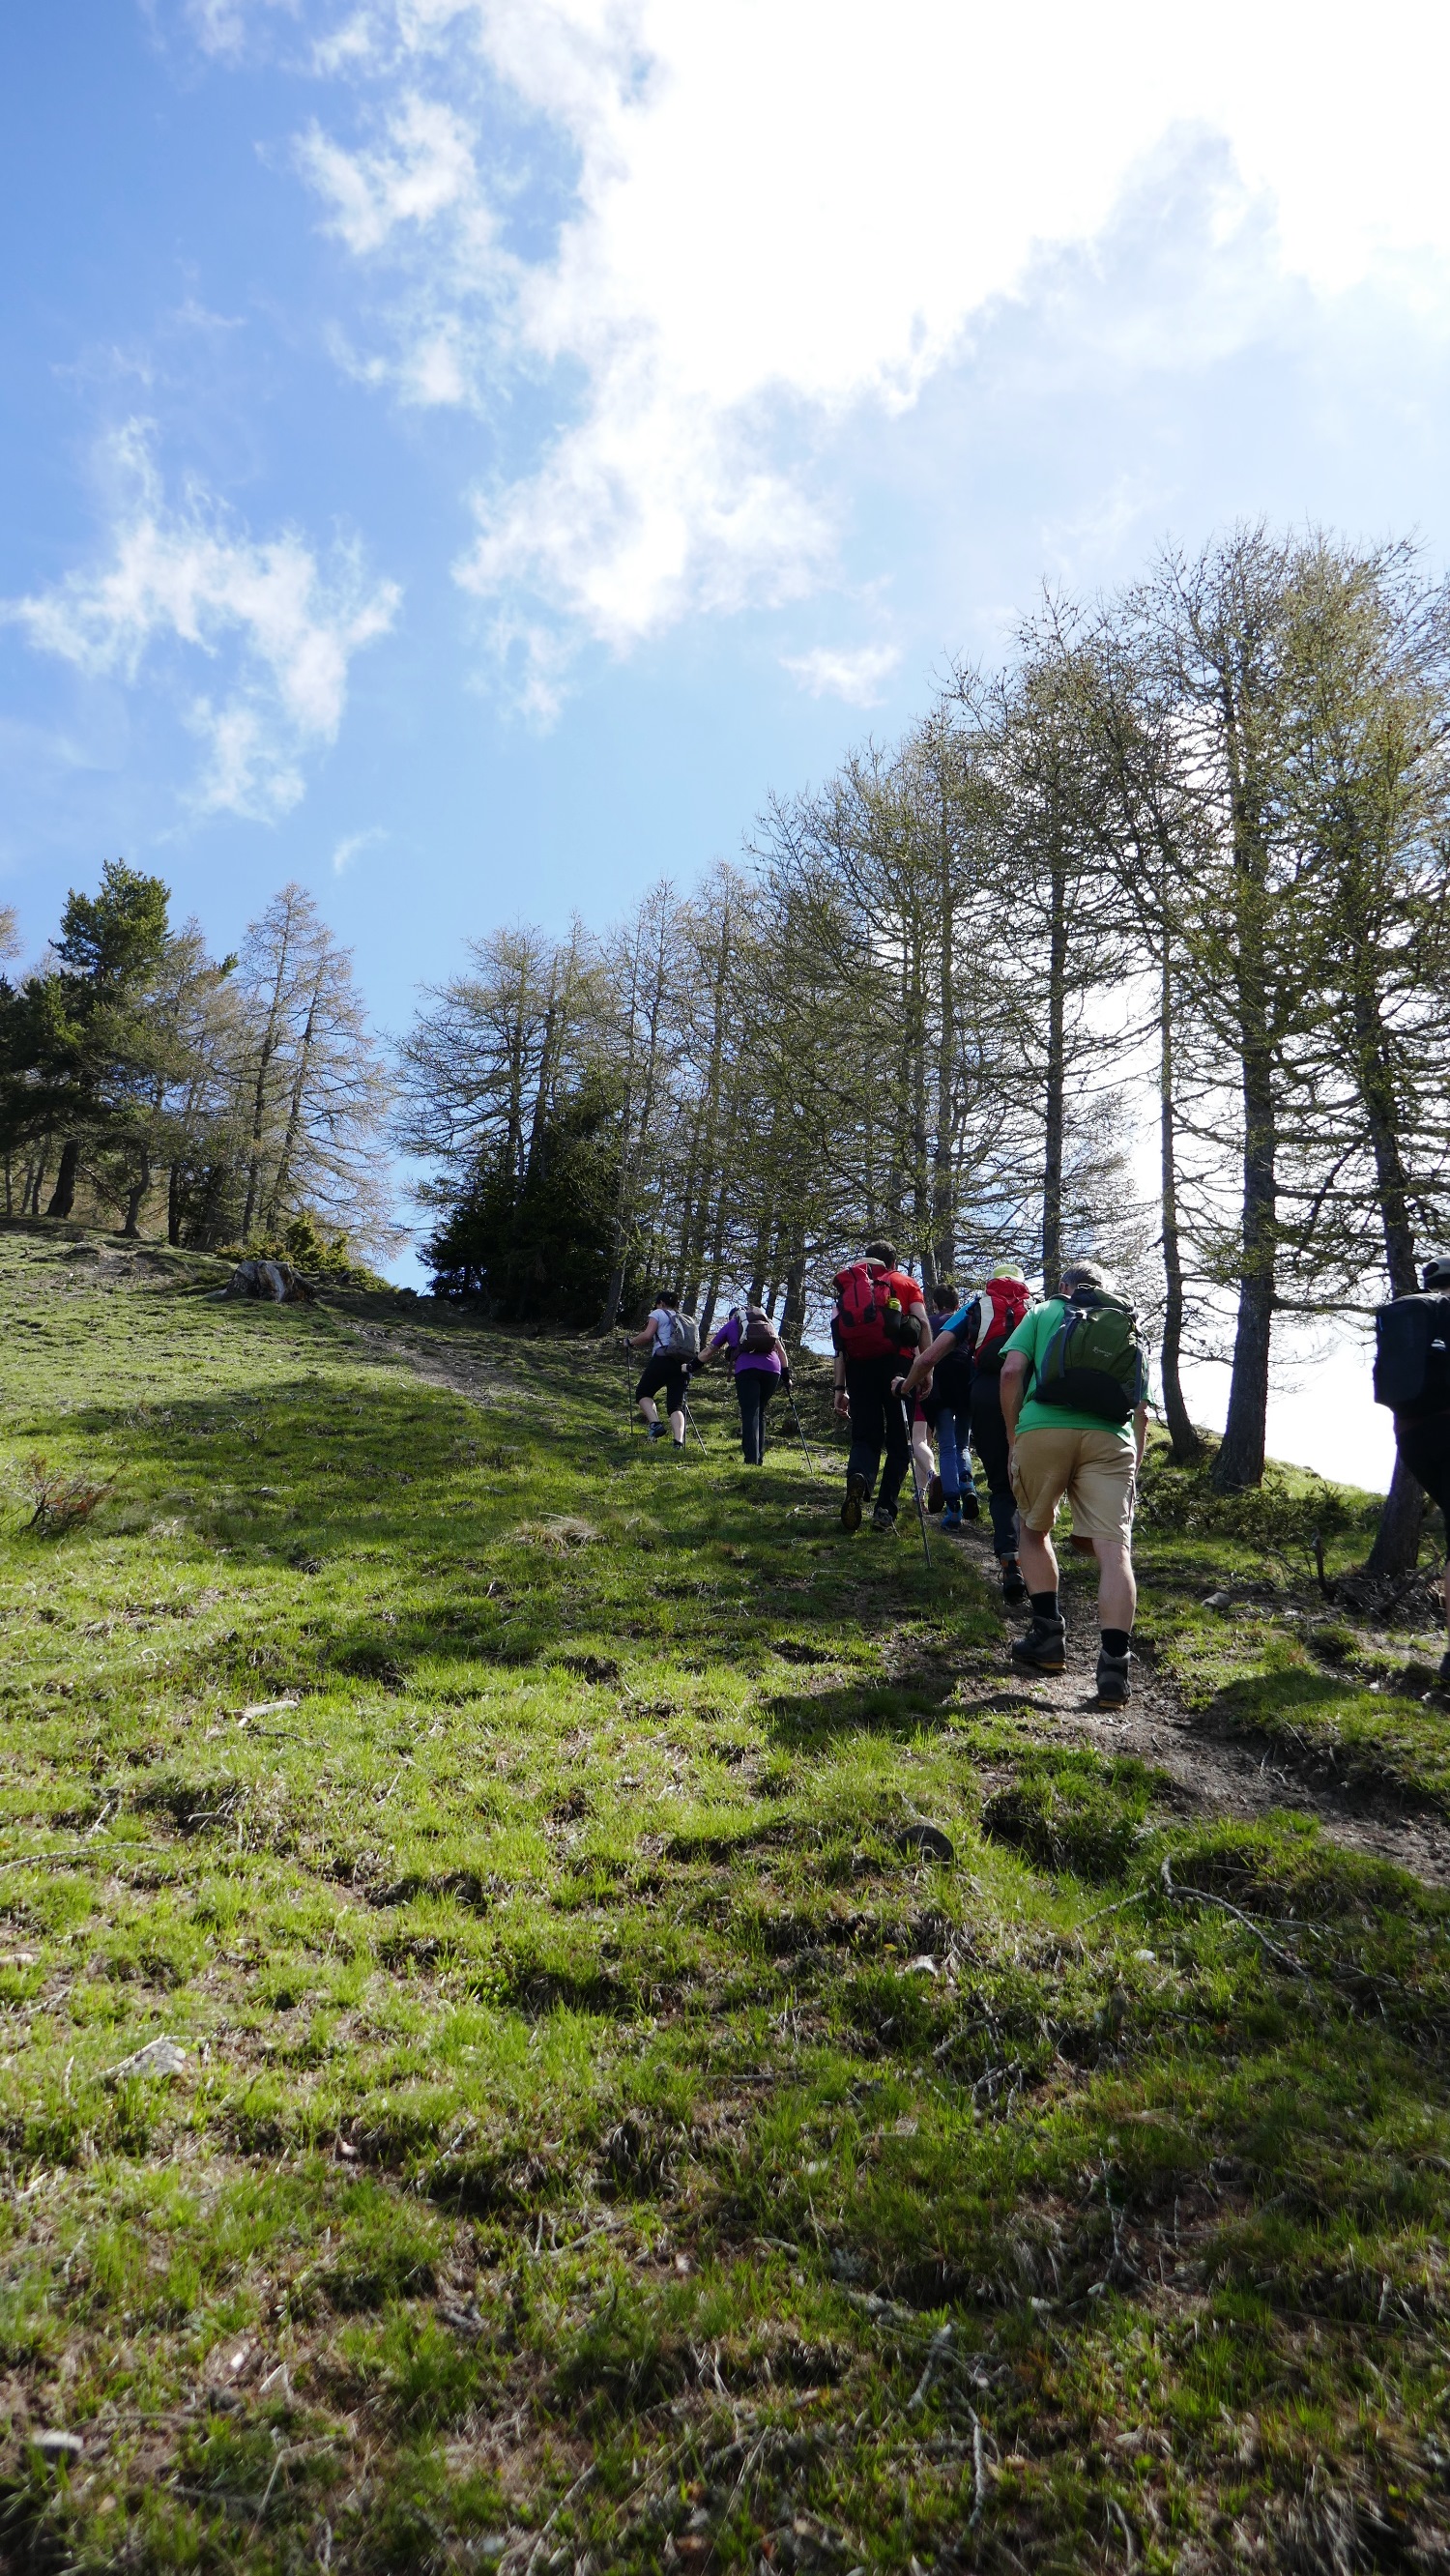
x: 1095, y: 1470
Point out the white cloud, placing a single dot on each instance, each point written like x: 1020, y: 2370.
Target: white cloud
x: 779, y: 215
x: 349, y: 849
x: 224, y: 26
x: 183, y: 575
x: 856, y: 677
x: 424, y: 170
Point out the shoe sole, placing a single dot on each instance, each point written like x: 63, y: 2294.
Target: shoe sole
x: 851, y: 1507
x: 1114, y: 1699
x: 1037, y: 1662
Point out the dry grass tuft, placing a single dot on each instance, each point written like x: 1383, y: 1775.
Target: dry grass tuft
x: 59, y: 1502
x: 561, y: 1533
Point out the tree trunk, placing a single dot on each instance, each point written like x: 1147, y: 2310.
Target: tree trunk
x: 1240, y: 1460
x: 1396, y: 1548
x: 793, y: 1313
x: 1187, y: 1447
x: 1054, y: 1105
x: 173, y: 1204
x: 131, y: 1230
x: 944, y: 1248
x: 63, y: 1198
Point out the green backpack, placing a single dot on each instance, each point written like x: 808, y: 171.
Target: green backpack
x: 1093, y: 1363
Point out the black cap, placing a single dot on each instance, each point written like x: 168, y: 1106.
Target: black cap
x: 1436, y: 1273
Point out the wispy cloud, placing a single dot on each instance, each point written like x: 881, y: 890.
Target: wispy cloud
x: 284, y: 628
x: 779, y: 217
x: 829, y: 672
x: 351, y: 848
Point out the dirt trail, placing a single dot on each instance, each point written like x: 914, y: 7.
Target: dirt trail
x: 1215, y: 1773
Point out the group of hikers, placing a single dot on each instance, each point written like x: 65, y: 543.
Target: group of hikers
x: 1051, y: 1394
x: 1053, y: 1398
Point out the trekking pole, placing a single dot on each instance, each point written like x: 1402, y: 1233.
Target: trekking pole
x: 689, y: 1417
x: 916, y: 1489
x: 800, y: 1435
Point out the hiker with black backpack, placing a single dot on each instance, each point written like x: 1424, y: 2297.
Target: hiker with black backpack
x: 1412, y: 1377
x: 964, y: 1363
x: 673, y: 1343
x: 880, y: 1317
x: 762, y: 1363
x: 1074, y: 1401
x: 932, y: 1407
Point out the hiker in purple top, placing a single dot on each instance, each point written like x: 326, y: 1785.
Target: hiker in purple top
x: 761, y: 1364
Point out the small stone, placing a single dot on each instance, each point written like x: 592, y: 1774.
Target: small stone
x: 57, y: 2445
x: 159, y: 2057
x: 928, y: 1839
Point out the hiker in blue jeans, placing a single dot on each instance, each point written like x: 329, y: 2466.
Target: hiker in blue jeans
x: 947, y: 1407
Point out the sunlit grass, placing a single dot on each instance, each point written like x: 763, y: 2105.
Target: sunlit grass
x: 594, y: 2106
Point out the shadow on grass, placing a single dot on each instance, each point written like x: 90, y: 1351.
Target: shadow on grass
x: 1330, y: 1729
x: 815, y: 1718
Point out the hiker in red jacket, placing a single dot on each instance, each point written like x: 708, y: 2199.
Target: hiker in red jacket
x: 974, y: 1339
x: 880, y: 1320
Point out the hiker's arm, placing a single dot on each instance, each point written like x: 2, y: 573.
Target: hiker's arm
x: 840, y: 1398
x: 925, y: 1361
x: 1140, y: 1430
x: 1010, y: 1383
x: 641, y: 1341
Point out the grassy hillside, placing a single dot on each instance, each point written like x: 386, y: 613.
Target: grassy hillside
x: 609, y: 2133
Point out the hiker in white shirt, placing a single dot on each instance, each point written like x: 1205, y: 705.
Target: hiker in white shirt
x: 672, y: 1342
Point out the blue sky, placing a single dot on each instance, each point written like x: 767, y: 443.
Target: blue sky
x: 464, y: 453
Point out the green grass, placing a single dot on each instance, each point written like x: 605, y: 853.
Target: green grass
x: 604, y: 2140
x: 1329, y: 1693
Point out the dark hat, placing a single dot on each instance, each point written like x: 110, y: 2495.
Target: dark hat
x: 1436, y: 1273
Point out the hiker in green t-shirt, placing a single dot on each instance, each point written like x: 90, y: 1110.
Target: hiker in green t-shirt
x: 1074, y: 1393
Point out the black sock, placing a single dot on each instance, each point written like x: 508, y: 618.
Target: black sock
x: 1115, y: 1640
x: 1044, y: 1605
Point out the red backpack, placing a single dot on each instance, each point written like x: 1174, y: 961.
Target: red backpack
x: 1002, y: 1305
x: 871, y: 1320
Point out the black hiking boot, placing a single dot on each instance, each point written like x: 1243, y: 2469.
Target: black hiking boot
x: 851, y: 1507
x: 1115, y: 1686
x: 934, y: 1495
x: 883, y: 1518
x: 1014, y: 1582
x: 656, y: 1430
x: 1043, y: 1647
x: 971, y: 1508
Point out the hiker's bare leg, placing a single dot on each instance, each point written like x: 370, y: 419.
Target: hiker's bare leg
x: 1036, y: 1558
x: 649, y: 1408
x: 1117, y: 1583
x: 677, y: 1428
x: 922, y: 1462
